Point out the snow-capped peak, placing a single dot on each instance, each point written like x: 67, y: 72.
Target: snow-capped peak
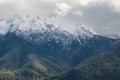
x: 85, y: 31
x: 37, y: 29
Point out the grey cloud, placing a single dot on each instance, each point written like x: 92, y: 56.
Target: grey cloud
x: 99, y: 15
x: 103, y: 18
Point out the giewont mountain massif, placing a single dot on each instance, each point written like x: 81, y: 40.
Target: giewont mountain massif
x: 32, y: 49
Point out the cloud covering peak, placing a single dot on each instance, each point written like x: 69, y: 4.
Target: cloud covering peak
x: 103, y: 16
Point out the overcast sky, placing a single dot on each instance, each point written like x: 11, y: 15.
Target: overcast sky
x: 103, y: 16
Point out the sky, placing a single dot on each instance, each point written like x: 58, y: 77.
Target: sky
x: 103, y: 16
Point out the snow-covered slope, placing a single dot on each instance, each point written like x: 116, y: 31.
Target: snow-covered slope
x: 38, y: 30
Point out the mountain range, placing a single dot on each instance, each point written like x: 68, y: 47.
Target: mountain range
x: 34, y: 49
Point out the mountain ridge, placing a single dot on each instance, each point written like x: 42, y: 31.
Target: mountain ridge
x: 32, y: 49
x: 36, y: 29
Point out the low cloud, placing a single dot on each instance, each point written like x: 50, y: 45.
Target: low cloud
x: 84, y: 2
x: 115, y: 4
x: 101, y: 15
x: 62, y: 9
x: 78, y: 13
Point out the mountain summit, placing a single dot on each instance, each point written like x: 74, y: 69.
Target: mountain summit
x: 36, y: 29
